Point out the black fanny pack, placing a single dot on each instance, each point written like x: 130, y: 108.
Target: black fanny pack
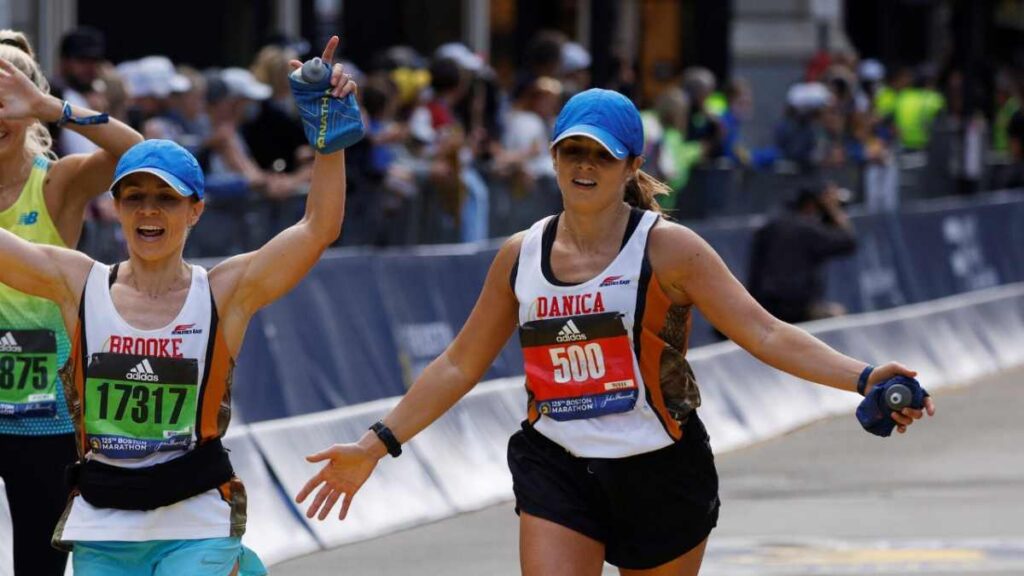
x: 105, y: 486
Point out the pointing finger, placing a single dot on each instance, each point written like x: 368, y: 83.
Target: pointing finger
x: 332, y: 44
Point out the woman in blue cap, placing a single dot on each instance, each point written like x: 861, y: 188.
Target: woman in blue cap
x: 42, y: 200
x: 613, y: 463
x: 153, y: 346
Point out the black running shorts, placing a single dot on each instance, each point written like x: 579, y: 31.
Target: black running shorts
x: 647, y: 509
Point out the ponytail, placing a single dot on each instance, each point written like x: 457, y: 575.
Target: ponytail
x: 641, y: 191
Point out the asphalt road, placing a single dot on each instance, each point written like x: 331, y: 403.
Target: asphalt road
x: 946, y: 499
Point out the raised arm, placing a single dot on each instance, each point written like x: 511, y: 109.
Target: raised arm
x: 50, y: 272
x: 74, y: 179
x: 245, y: 283
x: 445, y: 380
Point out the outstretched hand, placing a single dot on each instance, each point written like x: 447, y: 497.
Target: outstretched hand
x: 906, y: 416
x: 341, y: 82
x: 347, y: 468
x: 19, y: 97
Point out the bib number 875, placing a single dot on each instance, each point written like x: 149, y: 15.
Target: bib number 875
x: 30, y: 366
x: 577, y: 363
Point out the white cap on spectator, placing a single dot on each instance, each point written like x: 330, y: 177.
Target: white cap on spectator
x: 462, y: 56
x: 807, y: 96
x: 871, y: 70
x: 241, y: 82
x: 574, y: 58
x: 152, y: 76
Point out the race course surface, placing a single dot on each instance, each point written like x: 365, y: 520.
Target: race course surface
x: 946, y: 499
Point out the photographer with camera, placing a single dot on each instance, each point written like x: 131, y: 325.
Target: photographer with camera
x: 787, y: 260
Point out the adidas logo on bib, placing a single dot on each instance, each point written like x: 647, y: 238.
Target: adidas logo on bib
x: 9, y: 344
x: 142, y: 371
x: 570, y: 333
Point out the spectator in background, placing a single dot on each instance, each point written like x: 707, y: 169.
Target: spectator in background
x: 386, y: 172
x: 274, y: 134
x: 575, y: 69
x: 442, y: 143
x: 526, y: 160
x: 528, y: 131
x: 230, y: 94
x: 1014, y: 177
x: 543, y: 55
x: 673, y: 154
x: 1008, y: 130
x: 188, y: 109
x: 740, y: 108
x: 150, y: 82
x: 702, y: 126
x: 1008, y: 104
x: 788, y: 257
x: 82, y: 50
x: 800, y: 136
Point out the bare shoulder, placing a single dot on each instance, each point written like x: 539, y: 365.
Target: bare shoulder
x: 509, y: 250
x: 504, y: 262
x: 672, y: 247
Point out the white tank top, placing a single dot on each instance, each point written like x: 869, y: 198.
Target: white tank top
x: 161, y: 371
x: 587, y: 391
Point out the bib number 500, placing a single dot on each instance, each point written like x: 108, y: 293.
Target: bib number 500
x: 577, y: 363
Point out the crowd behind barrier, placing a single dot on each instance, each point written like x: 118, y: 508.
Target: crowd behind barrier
x: 365, y: 322
x: 457, y: 151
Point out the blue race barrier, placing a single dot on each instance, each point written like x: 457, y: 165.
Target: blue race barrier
x: 366, y: 322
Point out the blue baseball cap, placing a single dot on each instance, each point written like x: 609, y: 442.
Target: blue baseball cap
x: 166, y: 160
x: 605, y: 116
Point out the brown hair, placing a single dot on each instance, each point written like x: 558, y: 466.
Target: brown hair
x: 15, y: 48
x: 642, y: 190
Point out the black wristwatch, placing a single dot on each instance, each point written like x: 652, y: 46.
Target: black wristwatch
x: 388, y: 438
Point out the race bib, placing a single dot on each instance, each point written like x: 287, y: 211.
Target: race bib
x: 579, y: 366
x: 137, y: 405
x: 28, y: 373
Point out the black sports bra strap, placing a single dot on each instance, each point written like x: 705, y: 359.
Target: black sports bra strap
x: 113, y: 275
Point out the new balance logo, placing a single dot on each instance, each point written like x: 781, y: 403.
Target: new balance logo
x: 570, y: 333
x: 28, y: 218
x: 142, y: 371
x: 9, y: 344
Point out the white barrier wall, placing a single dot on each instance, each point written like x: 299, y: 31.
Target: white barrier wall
x: 273, y: 529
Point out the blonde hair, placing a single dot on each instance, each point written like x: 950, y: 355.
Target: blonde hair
x: 15, y: 48
x: 642, y: 191
x: 271, y: 67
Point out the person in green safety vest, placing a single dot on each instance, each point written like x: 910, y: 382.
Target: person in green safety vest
x: 916, y: 108
x: 1007, y: 105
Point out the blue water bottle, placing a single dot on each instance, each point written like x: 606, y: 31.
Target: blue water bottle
x: 329, y: 123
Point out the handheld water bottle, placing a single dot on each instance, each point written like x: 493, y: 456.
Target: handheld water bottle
x: 898, y: 397
x: 329, y: 123
x: 313, y: 71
